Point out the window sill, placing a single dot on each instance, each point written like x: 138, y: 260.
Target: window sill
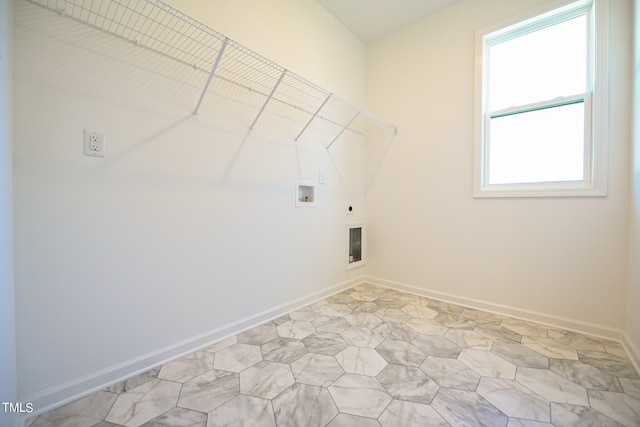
x: 564, y: 189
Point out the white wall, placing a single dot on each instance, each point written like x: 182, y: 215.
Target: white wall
x: 559, y: 257
x: 8, y: 385
x: 633, y: 299
x: 186, y: 226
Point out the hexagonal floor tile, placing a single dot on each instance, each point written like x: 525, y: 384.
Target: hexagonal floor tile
x: 325, y: 343
x: 552, y: 386
x: 615, y: 365
x: 178, y: 417
x: 306, y: 313
x: 363, y: 319
x: 258, y: 335
x: 284, y: 350
x: 576, y: 340
x: 572, y: 415
x: 347, y: 420
x: 363, y: 296
x: 498, y: 333
x: 359, y: 395
x: 360, y: 360
x: 487, y: 364
x: 390, y: 302
x: 208, y: 391
x: 469, y: 339
x: 266, y: 379
x: 427, y: 326
x: 242, y: 408
x: 304, y: 404
x: 298, y: 329
x: 525, y: 328
x: 420, y: 311
x: 467, y: 408
x: 520, y: 355
x: 401, y: 353
x: 411, y: 414
x: 144, y: 403
x: 514, y: 399
x: 221, y: 345
x: 87, y: 411
x: 331, y: 324
x: 482, y: 317
x: 332, y: 309
x: 363, y: 307
x: 340, y: 298
x: 450, y: 373
x: 585, y: 375
x: 408, y: 383
x: 316, y: 369
x: 436, y: 345
x: 445, y: 307
x: 631, y: 387
x: 396, y: 331
x: 454, y: 321
x: 237, y: 357
x: 550, y: 348
x: 393, y: 315
x: 620, y: 407
x: 135, y: 381
x: 362, y: 337
x: 279, y: 320
x: 187, y: 367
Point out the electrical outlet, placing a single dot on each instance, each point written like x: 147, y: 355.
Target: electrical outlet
x: 94, y: 143
x: 322, y: 177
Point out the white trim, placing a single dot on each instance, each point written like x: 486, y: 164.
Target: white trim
x: 75, y: 389
x: 587, y: 328
x: 560, y: 322
x: 596, y: 156
x: 536, y: 20
x: 632, y: 350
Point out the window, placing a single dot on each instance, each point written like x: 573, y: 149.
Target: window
x: 541, y: 105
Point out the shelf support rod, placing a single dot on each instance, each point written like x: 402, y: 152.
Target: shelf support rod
x: 268, y: 99
x: 344, y: 128
x: 211, y: 74
x: 311, y: 119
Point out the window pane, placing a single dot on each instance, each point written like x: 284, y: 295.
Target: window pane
x: 538, y: 146
x: 542, y: 65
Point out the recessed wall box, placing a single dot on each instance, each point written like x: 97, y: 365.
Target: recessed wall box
x: 355, y: 245
x: 305, y: 193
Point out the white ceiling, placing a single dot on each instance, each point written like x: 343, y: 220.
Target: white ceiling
x: 372, y: 19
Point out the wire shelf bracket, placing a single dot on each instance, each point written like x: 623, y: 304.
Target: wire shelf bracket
x: 269, y: 98
x: 312, y: 117
x: 160, y: 28
x: 343, y: 129
x: 213, y: 72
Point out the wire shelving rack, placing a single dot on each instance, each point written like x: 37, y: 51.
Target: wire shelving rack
x: 154, y: 25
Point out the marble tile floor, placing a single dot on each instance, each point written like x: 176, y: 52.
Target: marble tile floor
x: 372, y: 356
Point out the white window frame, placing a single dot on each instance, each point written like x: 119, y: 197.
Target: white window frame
x: 595, y: 102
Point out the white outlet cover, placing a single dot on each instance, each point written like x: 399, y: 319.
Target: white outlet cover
x: 94, y: 143
x: 322, y: 177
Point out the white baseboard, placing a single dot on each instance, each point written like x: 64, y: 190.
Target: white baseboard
x: 65, y: 393
x: 633, y: 351
x: 514, y: 312
x: 532, y: 316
